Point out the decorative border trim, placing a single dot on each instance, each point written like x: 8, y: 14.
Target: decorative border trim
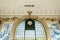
x: 40, y: 11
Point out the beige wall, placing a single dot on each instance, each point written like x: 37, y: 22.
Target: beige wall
x: 42, y: 7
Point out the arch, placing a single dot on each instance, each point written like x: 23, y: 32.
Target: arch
x: 26, y: 17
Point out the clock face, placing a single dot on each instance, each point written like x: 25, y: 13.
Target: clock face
x: 29, y: 29
x: 29, y: 22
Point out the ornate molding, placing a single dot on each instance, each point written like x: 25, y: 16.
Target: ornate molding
x: 1, y: 22
x: 40, y: 11
x: 16, y: 18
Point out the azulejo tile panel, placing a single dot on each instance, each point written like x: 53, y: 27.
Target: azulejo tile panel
x: 5, y: 32
x: 54, y: 31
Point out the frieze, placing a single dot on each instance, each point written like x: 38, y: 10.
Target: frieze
x: 16, y: 18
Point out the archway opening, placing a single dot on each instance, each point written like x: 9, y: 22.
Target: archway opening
x: 36, y: 34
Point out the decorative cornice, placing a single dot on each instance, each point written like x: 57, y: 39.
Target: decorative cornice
x: 29, y: 12
x: 10, y: 19
x: 40, y: 11
x: 16, y: 18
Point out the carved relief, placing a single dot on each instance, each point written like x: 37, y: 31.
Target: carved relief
x: 0, y: 22
x: 6, y: 19
x: 59, y: 21
x: 14, y: 18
